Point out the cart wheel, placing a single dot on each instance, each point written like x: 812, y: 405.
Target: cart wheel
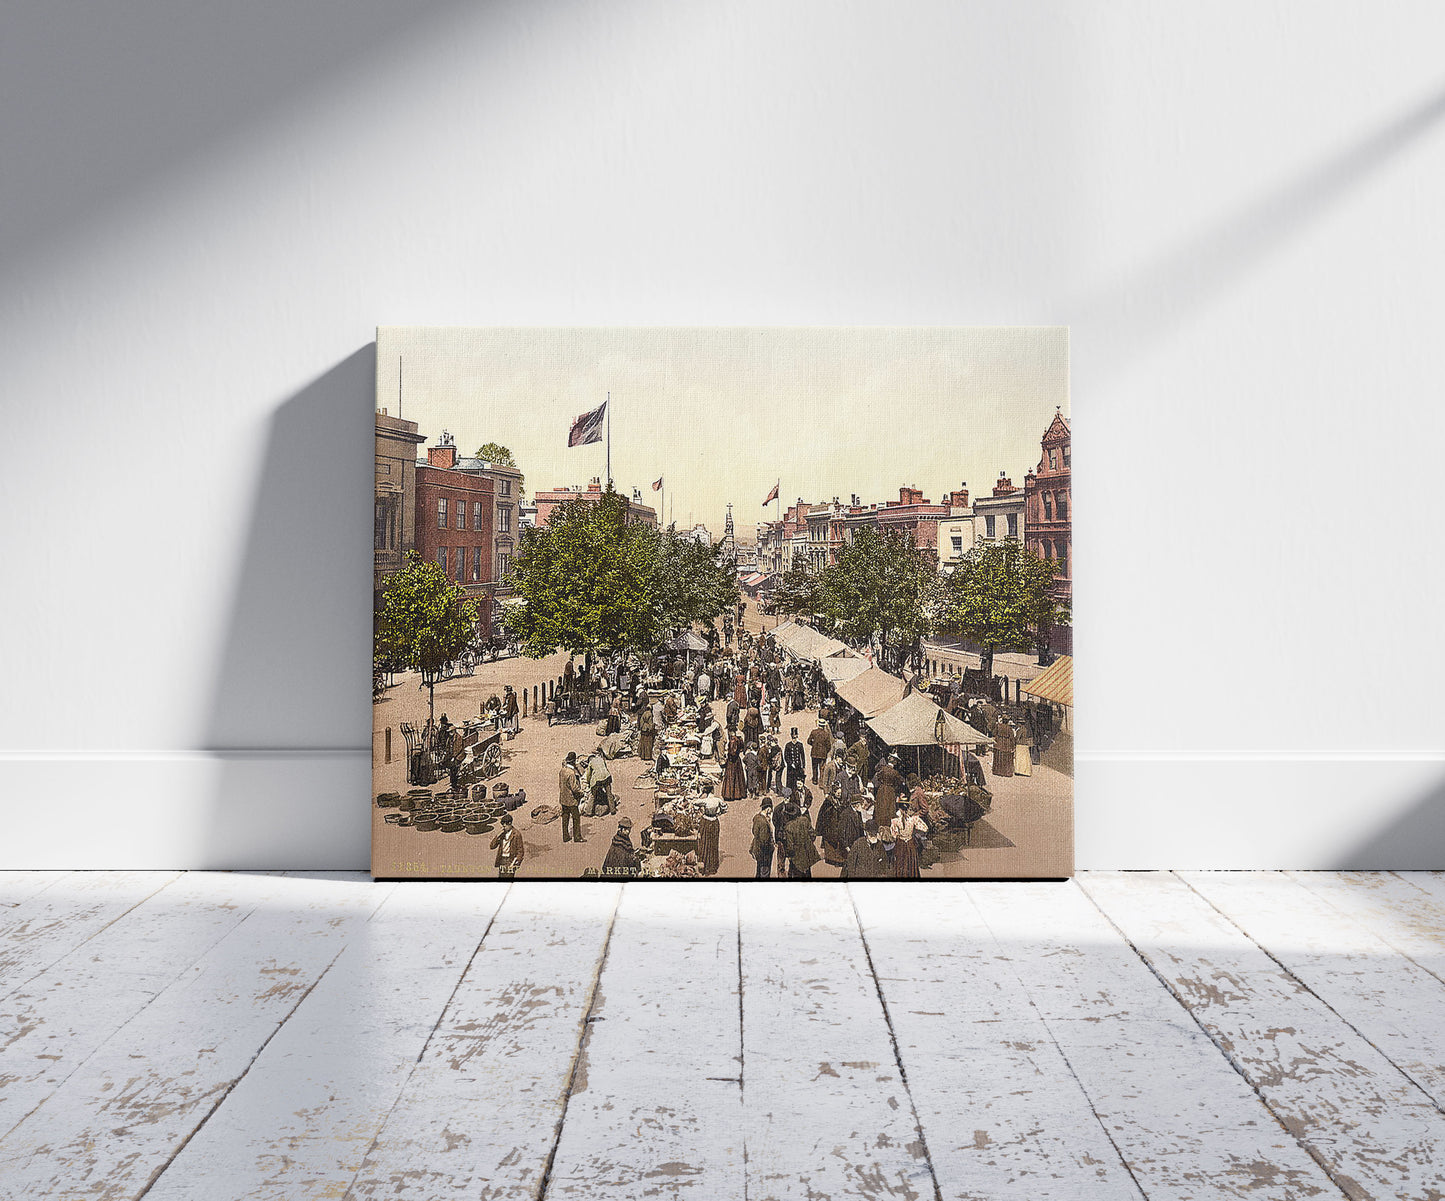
x: 492, y: 761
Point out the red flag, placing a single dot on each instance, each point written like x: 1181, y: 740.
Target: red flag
x: 657, y: 483
x: 773, y: 495
x: 588, y: 427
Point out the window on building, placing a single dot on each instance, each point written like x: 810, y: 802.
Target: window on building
x: 461, y: 513
x: 504, y: 487
x: 504, y: 564
x: 476, y: 515
x: 958, y: 544
x: 1064, y: 559
x: 441, y: 512
x: 1053, y: 459
x: 477, y: 563
x: 1048, y: 506
x: 381, y: 525
x: 988, y: 525
x: 504, y: 519
x: 1062, y: 501
x: 1066, y: 456
x: 1013, y: 525
x: 442, y: 559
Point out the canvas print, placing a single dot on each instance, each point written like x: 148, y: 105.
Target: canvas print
x: 743, y: 604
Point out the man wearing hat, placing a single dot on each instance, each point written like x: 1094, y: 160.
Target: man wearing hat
x: 889, y: 785
x: 857, y: 758
x: 599, y: 782
x: 802, y: 854
x: 621, y: 859
x: 762, y: 845
x: 820, y: 743
x: 509, y: 848
x: 848, y: 824
x: 569, y: 797
x: 867, y: 860
x: 793, y: 761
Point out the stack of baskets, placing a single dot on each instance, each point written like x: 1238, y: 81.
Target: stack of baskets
x: 421, y: 809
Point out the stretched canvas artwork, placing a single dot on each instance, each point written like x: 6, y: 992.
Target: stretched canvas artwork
x: 744, y: 604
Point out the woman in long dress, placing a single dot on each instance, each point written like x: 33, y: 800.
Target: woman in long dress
x: 1003, y: 748
x: 646, y: 734
x: 709, y: 835
x: 905, y: 846
x: 1023, y: 753
x: 734, y: 780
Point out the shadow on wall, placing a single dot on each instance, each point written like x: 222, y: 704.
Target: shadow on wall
x: 1127, y: 317
x: 117, y: 97
x: 290, y: 717
x: 1414, y: 841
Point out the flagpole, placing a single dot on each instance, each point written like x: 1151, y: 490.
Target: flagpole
x: 609, y: 440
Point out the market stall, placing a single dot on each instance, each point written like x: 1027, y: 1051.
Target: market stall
x: 837, y: 669
x: 872, y: 692
x: 1055, y: 685
x: 934, y: 743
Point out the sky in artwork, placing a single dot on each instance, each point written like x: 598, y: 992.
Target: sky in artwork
x: 721, y: 414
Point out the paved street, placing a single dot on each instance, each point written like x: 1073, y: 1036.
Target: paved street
x: 1005, y: 844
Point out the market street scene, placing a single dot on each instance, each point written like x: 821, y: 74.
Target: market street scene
x: 571, y: 683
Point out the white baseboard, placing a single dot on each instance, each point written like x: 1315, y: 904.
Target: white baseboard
x: 187, y: 809
x: 269, y: 809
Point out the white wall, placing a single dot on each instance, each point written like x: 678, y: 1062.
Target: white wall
x: 205, y: 208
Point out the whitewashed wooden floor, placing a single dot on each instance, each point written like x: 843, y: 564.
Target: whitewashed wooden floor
x: 1192, y: 1035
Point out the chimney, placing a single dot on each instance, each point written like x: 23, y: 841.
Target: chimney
x: 594, y: 484
x: 444, y: 453
x: 857, y: 501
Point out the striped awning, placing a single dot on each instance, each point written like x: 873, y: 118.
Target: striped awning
x: 1055, y: 683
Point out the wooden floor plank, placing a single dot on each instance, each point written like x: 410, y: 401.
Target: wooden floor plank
x: 826, y: 1110
x: 16, y: 887
x: 1001, y: 1112
x: 1402, y: 908
x: 300, y: 1123
x: 125, y: 1113
x: 1186, y: 1124
x: 657, y: 1110
x: 1392, y: 1002
x: 479, y: 1116
x: 47, y: 925
x: 1368, y: 1124
x: 50, y: 1025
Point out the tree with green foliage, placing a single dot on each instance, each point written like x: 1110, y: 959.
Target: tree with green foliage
x: 585, y: 579
x: 495, y: 452
x: 689, y: 583
x: 594, y: 580
x: 1001, y: 596
x: 880, y: 586
x: 425, y: 622
x: 796, y: 593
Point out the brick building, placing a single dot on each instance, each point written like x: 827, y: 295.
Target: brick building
x: 395, y: 512
x: 548, y: 500
x: 915, y: 517
x: 507, y: 515
x: 1000, y: 515
x: 454, y: 524
x: 1049, y: 502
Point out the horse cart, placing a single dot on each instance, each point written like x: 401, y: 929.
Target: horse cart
x: 474, y: 754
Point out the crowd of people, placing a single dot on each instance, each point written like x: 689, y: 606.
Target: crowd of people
x: 820, y: 797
